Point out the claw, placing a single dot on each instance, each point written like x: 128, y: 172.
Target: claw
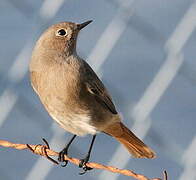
x: 61, y: 155
x: 85, y: 169
x: 64, y: 152
x: 64, y: 164
x: 62, y: 159
x: 83, y: 165
x: 84, y: 161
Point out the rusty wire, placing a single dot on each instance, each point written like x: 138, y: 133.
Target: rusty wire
x: 44, y: 150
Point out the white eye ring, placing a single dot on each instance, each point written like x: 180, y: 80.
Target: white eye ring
x: 61, y: 32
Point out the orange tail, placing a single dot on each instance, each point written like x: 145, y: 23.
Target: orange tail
x: 133, y: 144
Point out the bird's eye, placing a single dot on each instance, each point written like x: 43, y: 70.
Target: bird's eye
x: 61, y: 32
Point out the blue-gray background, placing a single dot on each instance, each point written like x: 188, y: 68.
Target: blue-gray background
x: 144, y: 51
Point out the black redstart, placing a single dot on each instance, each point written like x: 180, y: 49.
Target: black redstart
x: 72, y: 93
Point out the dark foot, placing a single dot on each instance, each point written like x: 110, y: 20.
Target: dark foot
x: 64, y: 152
x: 83, y: 165
x: 62, y: 159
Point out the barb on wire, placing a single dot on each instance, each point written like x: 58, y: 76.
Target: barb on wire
x: 165, y: 175
x: 44, y: 150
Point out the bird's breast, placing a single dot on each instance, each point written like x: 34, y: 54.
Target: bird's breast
x: 75, y: 122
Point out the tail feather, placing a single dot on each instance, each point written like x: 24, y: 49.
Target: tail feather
x: 133, y: 144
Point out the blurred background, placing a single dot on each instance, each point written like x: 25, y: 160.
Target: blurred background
x: 144, y: 51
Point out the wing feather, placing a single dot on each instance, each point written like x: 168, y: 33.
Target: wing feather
x: 97, y: 89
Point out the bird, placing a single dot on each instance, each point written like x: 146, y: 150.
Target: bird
x: 72, y: 93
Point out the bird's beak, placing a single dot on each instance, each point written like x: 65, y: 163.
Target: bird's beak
x: 81, y: 26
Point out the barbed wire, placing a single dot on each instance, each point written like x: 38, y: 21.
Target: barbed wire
x: 44, y: 150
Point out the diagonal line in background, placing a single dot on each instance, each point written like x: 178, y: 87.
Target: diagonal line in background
x: 141, y: 25
x: 172, y: 50
x: 109, y: 38
x: 189, y: 161
x: 35, y: 172
x: 17, y: 72
x: 157, y: 87
x: 47, y: 11
x: 162, y: 80
x: 169, y: 69
x: 187, y: 27
x: 99, y: 54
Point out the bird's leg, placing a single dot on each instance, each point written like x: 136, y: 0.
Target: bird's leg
x: 65, y: 152
x: 83, y: 162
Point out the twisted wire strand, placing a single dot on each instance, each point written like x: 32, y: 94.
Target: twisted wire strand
x: 44, y: 150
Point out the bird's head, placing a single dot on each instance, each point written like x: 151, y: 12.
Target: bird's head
x: 61, y: 37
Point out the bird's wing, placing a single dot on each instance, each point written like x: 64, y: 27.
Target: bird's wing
x: 96, y: 88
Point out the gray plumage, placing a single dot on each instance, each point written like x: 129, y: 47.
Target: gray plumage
x: 72, y: 93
